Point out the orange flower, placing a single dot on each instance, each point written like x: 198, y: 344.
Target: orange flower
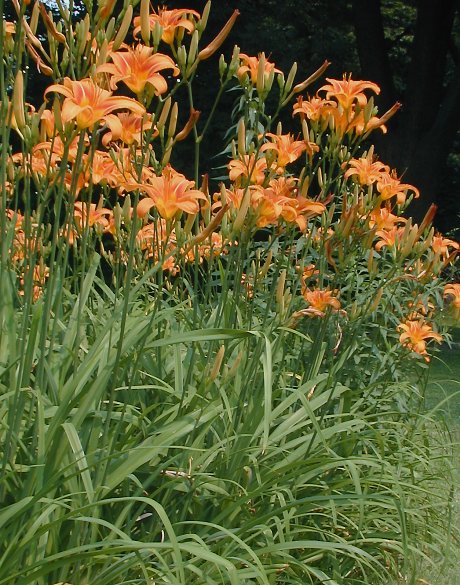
x: 170, y: 21
x: 441, y: 245
x: 388, y: 185
x: 137, y: 67
x: 247, y: 168
x: 127, y: 127
x: 88, y: 103
x: 319, y: 300
x: 347, y: 91
x: 287, y: 149
x: 391, y: 238
x: 170, y: 193
x: 314, y: 109
x: 250, y: 66
x: 383, y: 219
x: 414, y: 335
x: 452, y: 294
x: 89, y: 215
x: 365, y: 171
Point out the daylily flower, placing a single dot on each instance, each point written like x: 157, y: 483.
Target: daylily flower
x: 127, y: 127
x: 88, y: 103
x: 388, y: 185
x: 347, y: 91
x: 287, y: 150
x: 315, y: 108
x: 170, y: 21
x: 170, y: 193
x: 391, y: 238
x: 452, y: 298
x: 365, y: 171
x: 319, y: 300
x: 250, y: 67
x: 90, y: 215
x: 383, y: 219
x: 137, y: 67
x: 441, y: 245
x: 414, y: 335
x: 247, y: 168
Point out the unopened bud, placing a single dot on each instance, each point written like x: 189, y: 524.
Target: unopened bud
x: 217, y: 364
x: 219, y: 39
x: 124, y: 27
x: 193, y: 119
x: 318, y: 73
x: 202, y: 23
x: 173, y: 120
x: 261, y: 74
x: 50, y: 26
x: 145, y: 21
x: 290, y: 78
x: 18, y: 101
x: 241, y: 137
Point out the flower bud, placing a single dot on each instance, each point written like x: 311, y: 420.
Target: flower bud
x: 145, y: 21
x: 124, y: 27
x: 290, y: 78
x: 241, y: 137
x: 219, y: 39
x: 173, y: 120
x: 202, y: 23
x: 18, y: 101
x: 318, y: 73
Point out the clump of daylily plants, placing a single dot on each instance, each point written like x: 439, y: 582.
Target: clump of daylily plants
x: 306, y: 231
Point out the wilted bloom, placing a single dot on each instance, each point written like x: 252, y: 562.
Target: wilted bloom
x: 347, y: 91
x: 137, y: 67
x: 414, y: 335
x: 88, y: 103
x: 9, y: 30
x: 170, y: 193
x: 170, y: 21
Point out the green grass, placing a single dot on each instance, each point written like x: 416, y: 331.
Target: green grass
x: 444, y: 387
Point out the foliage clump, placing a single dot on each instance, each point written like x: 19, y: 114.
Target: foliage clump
x: 202, y: 379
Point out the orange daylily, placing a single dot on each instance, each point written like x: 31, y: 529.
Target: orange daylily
x: 250, y: 67
x: 388, y: 185
x: 383, y: 219
x: 319, y: 300
x: 452, y: 299
x: 314, y: 109
x: 441, y: 245
x: 247, y: 168
x: 414, y: 335
x: 170, y: 21
x: 365, y: 171
x: 137, y: 67
x: 170, y: 193
x: 389, y: 237
x: 287, y: 149
x: 87, y: 103
x: 347, y: 91
x: 90, y: 215
x: 127, y: 127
